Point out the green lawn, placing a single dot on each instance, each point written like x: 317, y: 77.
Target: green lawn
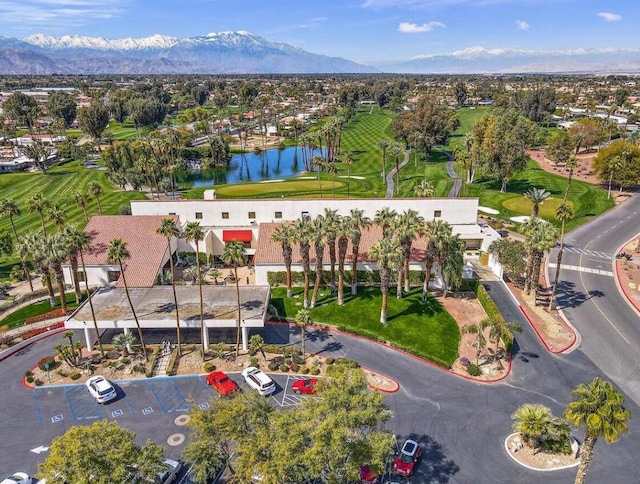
x: 587, y: 200
x: 17, y: 318
x: 58, y: 186
x: 300, y: 188
x: 424, y: 329
x: 126, y: 131
x: 468, y: 117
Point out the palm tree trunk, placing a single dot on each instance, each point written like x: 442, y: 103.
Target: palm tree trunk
x: 332, y: 261
x: 76, y: 282
x: 93, y: 314
x: 384, y: 287
x: 235, y: 272
x: 586, y: 454
x: 133, y: 311
x: 48, y: 283
x: 536, y: 272
x: 287, y: 264
x: 307, y: 283
x: 427, y: 278
x: 340, y: 287
x: 399, y: 284
x: 63, y: 295
x: 175, y: 298
x: 354, y: 267
x: 304, y: 337
x: 318, y: 281
x: 99, y: 205
x: 407, y: 287
x: 84, y: 210
x: 202, y: 328
x: 558, y: 263
x: 25, y: 270
x: 44, y: 230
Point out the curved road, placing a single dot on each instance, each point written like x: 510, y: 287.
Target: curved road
x: 390, y: 181
x: 457, y: 181
x: 590, y: 299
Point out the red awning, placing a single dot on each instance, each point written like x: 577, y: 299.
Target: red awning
x: 240, y: 235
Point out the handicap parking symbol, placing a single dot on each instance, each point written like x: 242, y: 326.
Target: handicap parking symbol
x: 204, y: 406
x: 57, y: 418
x: 147, y: 411
x: 116, y: 413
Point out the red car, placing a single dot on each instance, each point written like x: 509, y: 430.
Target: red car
x: 222, y: 383
x: 405, y: 462
x: 367, y: 476
x: 308, y: 387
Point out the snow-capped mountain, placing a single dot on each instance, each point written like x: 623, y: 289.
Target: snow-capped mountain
x: 477, y: 59
x: 213, y: 53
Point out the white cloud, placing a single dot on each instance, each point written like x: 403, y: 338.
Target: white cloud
x: 522, y: 25
x: 610, y: 17
x: 58, y: 14
x: 412, y: 28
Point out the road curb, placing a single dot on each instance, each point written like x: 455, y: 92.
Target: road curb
x: 577, y: 337
x: 24, y: 344
x: 630, y: 302
x: 397, y: 385
x: 506, y: 447
x: 398, y: 350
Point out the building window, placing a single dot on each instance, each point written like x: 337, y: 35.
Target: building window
x: 305, y: 216
x: 252, y: 215
x: 172, y: 213
x: 225, y: 215
x: 278, y: 214
x: 198, y: 215
x: 437, y: 213
x: 113, y: 276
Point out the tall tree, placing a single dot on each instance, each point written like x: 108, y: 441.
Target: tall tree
x: 540, y: 236
x: 600, y: 408
x: 285, y: 236
x: 436, y: 233
x: 331, y: 220
x: 34, y: 244
x: 386, y: 253
x: 303, y: 232
x: 424, y: 189
x: 560, y: 147
x: 62, y: 105
x: 385, y: 218
x: 348, y: 160
x: 397, y: 151
x: 536, y: 196
x: 319, y: 163
x: 39, y: 152
x: 93, y: 119
x: 384, y: 144
x: 9, y: 209
x: 407, y: 227
x: 193, y: 233
x: 169, y: 230
x: 39, y: 204
x: 56, y: 253
x: 303, y: 319
x: 235, y: 255
x: 80, y: 199
x: 95, y: 189
x: 57, y: 215
x: 358, y: 222
x: 318, y: 237
x: 344, y: 232
x: 564, y: 212
x: 22, y: 109
x: 499, y: 329
x: 452, y: 262
x: 118, y: 254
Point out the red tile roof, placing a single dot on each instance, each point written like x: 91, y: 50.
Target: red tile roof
x: 147, y: 249
x: 268, y: 252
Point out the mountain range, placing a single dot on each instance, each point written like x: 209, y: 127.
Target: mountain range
x: 244, y: 53
x: 215, y: 53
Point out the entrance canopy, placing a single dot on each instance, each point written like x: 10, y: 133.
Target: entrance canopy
x: 239, y: 235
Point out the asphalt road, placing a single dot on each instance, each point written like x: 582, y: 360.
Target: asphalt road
x: 610, y: 328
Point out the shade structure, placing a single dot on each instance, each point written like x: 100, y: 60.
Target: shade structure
x: 239, y: 235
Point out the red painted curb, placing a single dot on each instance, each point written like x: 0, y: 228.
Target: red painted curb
x: 387, y: 377
x: 25, y: 384
x: 541, y: 338
x: 422, y: 360
x: 615, y: 267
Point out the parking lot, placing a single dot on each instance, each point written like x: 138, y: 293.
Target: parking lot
x: 143, y: 398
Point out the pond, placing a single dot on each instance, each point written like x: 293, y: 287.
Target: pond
x: 272, y: 164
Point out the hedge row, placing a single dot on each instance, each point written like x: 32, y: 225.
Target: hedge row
x: 492, y: 313
x: 279, y: 278
x: 56, y: 313
x: 36, y: 332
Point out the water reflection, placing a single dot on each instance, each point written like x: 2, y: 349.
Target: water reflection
x: 250, y: 167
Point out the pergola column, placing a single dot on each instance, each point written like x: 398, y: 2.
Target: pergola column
x: 205, y: 337
x: 88, y: 339
x: 127, y: 331
x: 245, y: 338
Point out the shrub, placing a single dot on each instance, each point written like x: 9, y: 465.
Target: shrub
x: 62, y: 373
x: 330, y: 361
x: 139, y: 368
x: 347, y: 363
x: 173, y: 363
x: 38, y: 382
x: 253, y: 361
x: 298, y: 359
x: 28, y: 373
x: 464, y: 361
x: 315, y: 370
x: 273, y: 366
x: 75, y: 375
x: 284, y: 368
x: 209, y: 367
x: 288, y: 361
x: 29, y: 378
x: 474, y: 370
x: 293, y: 367
x: 50, y: 361
x: 125, y: 361
x: 304, y: 370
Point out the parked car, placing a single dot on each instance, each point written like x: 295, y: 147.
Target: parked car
x: 258, y: 380
x: 101, y: 389
x: 173, y: 467
x: 308, y: 387
x: 18, y: 478
x: 367, y: 476
x: 222, y: 383
x: 405, y: 462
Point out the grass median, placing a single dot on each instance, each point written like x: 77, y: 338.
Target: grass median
x: 424, y: 329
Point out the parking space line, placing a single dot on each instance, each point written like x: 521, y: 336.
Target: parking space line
x: 181, y: 409
x: 66, y: 394
x: 150, y: 385
x: 88, y: 410
x: 133, y: 412
x: 38, y: 412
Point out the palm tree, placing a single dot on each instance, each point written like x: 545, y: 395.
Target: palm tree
x: 397, y: 151
x: 57, y: 215
x: 499, y: 328
x: 425, y: 189
x: 436, y: 232
x: 451, y: 262
x: 123, y: 341
x: 385, y: 218
x: 56, y: 253
x: 303, y: 231
x: 303, y: 319
x: 69, y: 335
x: 600, y: 408
x: 532, y: 421
x: 344, y: 232
x: 536, y: 196
x: 331, y: 221
x: 480, y: 341
x: 78, y: 242
x: 318, y: 237
x: 540, y: 236
x: 564, y: 212
x: 169, y: 230
x: 285, y: 236
x: 358, y: 222
x: 193, y: 233
x: 38, y: 204
x: 319, y: 163
x: 117, y: 254
x: 95, y: 189
x: 407, y: 228
x: 9, y: 209
x: 33, y: 244
x: 385, y: 252
x: 235, y: 255
x: 348, y: 160
x: 384, y: 144
x: 332, y: 169
x: 80, y: 199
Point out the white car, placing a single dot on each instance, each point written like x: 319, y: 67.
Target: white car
x: 258, y: 380
x: 101, y: 389
x: 18, y: 478
x: 171, y: 473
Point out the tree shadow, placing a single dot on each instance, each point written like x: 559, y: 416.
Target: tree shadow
x: 569, y: 297
x: 316, y: 335
x: 434, y: 466
x: 330, y: 347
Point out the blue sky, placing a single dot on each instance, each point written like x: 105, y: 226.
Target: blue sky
x: 366, y: 31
